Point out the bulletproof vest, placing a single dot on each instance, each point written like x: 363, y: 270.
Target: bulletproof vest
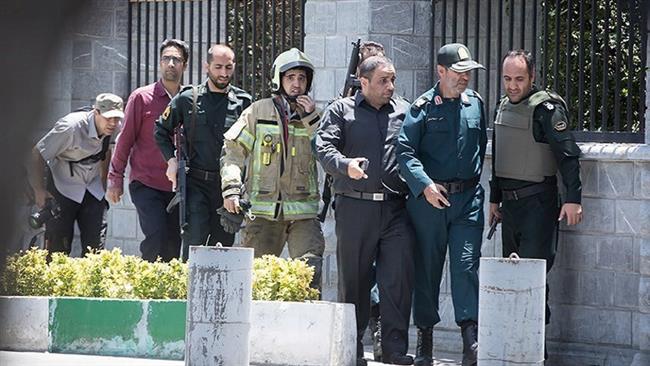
x: 517, y: 154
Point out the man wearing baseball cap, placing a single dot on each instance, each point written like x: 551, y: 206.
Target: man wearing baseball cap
x: 68, y: 173
x: 440, y: 151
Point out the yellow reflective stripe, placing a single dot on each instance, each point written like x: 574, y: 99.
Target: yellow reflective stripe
x: 246, y: 139
x: 263, y: 208
x: 300, y: 207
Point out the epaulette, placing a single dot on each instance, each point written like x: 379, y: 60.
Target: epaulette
x: 241, y: 93
x: 475, y: 94
x: 421, y: 102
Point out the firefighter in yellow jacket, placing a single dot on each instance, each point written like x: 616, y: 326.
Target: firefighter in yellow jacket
x: 270, y: 145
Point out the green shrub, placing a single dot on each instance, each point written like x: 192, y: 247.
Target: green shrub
x: 282, y: 279
x: 110, y: 274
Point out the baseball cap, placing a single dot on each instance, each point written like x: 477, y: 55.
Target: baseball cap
x: 456, y: 57
x: 109, y: 105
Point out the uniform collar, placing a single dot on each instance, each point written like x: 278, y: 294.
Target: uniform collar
x: 438, y: 99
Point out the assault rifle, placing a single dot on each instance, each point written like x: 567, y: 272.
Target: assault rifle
x: 181, y: 185
x: 352, y: 84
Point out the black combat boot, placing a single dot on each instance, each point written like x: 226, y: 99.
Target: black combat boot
x: 469, y: 332
x: 424, y: 348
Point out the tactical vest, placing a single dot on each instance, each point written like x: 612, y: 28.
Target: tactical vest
x: 278, y: 174
x: 517, y: 154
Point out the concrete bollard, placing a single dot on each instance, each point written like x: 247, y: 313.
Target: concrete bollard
x: 511, y: 311
x: 219, y: 296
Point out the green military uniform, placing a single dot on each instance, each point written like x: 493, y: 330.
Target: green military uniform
x: 531, y: 142
x: 215, y: 113
x: 272, y: 146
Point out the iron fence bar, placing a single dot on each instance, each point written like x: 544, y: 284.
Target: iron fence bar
x: 129, y: 47
x: 643, y: 32
x: 153, y: 46
x: 535, y: 38
x: 219, y: 39
x: 254, y: 45
x: 208, y: 25
x: 273, y: 40
x: 592, y: 110
x: 244, y: 48
x: 284, y: 26
x: 293, y: 24
x: 617, y: 71
x: 455, y: 24
x: 444, y: 23
x: 630, y: 66
x: 522, y: 23
x: 567, y: 85
x: 164, y: 5
x: 174, y: 19
x: 199, y: 49
x: 499, y: 48
x: 190, y: 32
x: 182, y: 25
x: 609, y: 136
x: 476, y: 44
x: 466, y: 24
x: 581, y: 63
x: 139, y: 49
x: 488, y: 52
x: 432, y: 49
x: 302, y: 24
x: 545, y: 45
x: 604, y: 116
x: 556, y: 65
x: 511, y: 25
x: 146, y: 48
x: 264, y: 45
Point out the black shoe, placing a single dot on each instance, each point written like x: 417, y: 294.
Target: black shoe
x: 396, y: 358
x: 469, y: 332
x: 424, y: 348
x: 362, y: 362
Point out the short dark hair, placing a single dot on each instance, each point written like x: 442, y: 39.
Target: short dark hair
x: 181, y: 45
x: 526, y: 55
x: 369, y: 65
x: 218, y: 46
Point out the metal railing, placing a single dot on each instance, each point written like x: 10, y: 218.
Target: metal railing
x: 257, y: 30
x: 592, y: 52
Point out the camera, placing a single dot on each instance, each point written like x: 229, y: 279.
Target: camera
x: 49, y: 211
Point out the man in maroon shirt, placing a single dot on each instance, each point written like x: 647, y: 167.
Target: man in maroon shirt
x: 150, y: 189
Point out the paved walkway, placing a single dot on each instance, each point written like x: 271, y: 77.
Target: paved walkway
x: 58, y: 359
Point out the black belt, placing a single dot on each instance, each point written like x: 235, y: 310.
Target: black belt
x: 379, y: 196
x: 203, y: 174
x: 458, y: 186
x: 517, y: 194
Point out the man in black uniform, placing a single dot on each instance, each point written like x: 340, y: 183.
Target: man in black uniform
x: 218, y: 105
x: 531, y: 142
x: 355, y: 144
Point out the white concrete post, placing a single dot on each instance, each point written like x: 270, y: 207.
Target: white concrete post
x: 511, y: 311
x: 219, y: 297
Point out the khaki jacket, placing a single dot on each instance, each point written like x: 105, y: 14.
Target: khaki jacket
x: 281, y: 181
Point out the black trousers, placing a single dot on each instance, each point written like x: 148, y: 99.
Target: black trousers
x: 90, y: 217
x: 367, y: 232
x: 529, y: 228
x: 162, y: 237
x: 203, y: 221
